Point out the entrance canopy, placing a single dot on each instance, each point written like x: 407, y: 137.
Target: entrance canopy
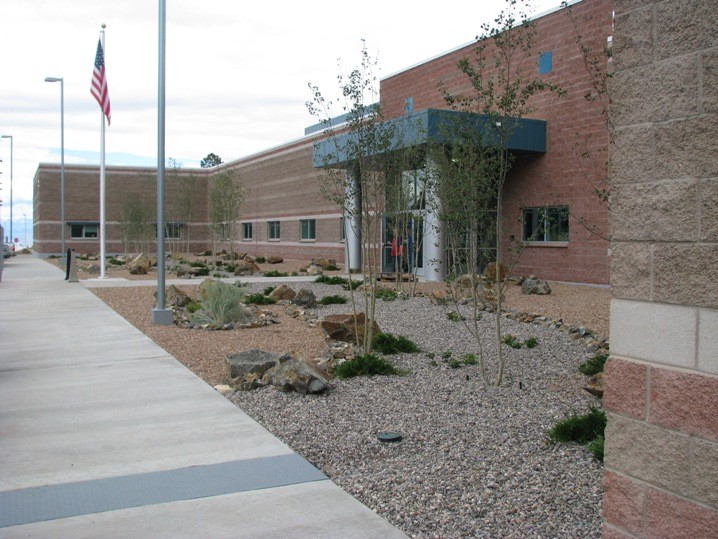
x: 434, y: 126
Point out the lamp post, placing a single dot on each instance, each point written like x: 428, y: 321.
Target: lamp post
x: 24, y: 220
x: 61, y: 80
x: 11, y: 159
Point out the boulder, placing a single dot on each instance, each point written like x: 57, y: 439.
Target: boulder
x: 282, y: 292
x: 139, y: 265
x: 246, y: 267
x: 94, y: 269
x: 249, y: 258
x: 490, y: 272
x: 438, y: 297
x: 325, y: 263
x: 274, y: 260
x: 249, y: 361
x: 595, y: 385
x: 305, y: 298
x: 292, y: 374
x: 535, y: 286
x: 177, y: 297
x: 313, y: 270
x: 341, y: 327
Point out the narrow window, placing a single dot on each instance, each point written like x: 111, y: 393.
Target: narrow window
x: 545, y: 224
x: 173, y: 231
x: 308, y: 229
x: 342, y: 229
x: 247, y: 231
x: 225, y: 231
x: 81, y: 231
x: 273, y: 230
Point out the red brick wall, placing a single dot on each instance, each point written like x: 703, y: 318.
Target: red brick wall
x: 560, y: 177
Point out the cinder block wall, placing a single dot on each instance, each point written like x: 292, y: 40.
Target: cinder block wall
x: 661, y: 475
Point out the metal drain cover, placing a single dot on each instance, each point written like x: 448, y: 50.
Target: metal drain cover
x: 389, y: 437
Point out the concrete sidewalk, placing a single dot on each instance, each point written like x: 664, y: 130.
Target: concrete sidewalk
x: 104, y: 433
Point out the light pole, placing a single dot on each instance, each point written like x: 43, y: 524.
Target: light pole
x: 10, y: 137
x: 24, y: 220
x: 61, y: 80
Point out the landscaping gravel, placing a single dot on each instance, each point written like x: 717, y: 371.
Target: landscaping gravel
x: 473, y: 461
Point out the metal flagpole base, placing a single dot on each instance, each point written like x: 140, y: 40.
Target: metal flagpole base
x: 162, y: 317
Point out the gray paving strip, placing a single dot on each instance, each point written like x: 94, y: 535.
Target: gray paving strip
x: 36, y: 504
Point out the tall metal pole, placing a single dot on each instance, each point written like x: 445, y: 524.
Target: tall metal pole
x: 61, y: 80
x: 103, y: 227
x: 160, y: 314
x: 11, y: 160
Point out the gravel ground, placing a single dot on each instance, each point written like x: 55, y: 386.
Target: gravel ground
x: 473, y: 461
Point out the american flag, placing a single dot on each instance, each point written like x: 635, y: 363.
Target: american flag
x: 99, y: 82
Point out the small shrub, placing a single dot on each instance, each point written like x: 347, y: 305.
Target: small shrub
x: 230, y: 268
x: 275, y: 273
x: 579, y: 428
x: 365, y: 365
x: 260, y: 260
x: 446, y: 354
x: 239, y: 284
x: 511, y: 341
x: 385, y: 294
x: 222, y: 305
x: 469, y: 359
x: 206, y: 253
x: 114, y: 262
x: 197, y: 264
x: 352, y: 285
x: 333, y: 300
x: 594, y: 365
x: 430, y: 355
x: 201, y: 272
x: 333, y: 279
x: 268, y: 290
x: 454, y: 363
x: 218, y: 275
x: 193, y: 306
x: 596, y: 447
x: 386, y: 343
x: 332, y: 267
x: 433, y: 363
x: 258, y: 299
x: 294, y: 273
x: 454, y: 316
x: 531, y: 342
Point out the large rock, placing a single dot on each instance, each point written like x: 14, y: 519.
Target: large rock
x: 305, y: 298
x: 274, y: 260
x: 325, y: 263
x: 490, y: 272
x: 595, y: 385
x: 250, y: 361
x: 283, y: 292
x: 293, y: 374
x: 438, y: 297
x: 532, y: 285
x: 140, y: 265
x: 341, y: 327
x: 246, y: 266
x: 177, y: 297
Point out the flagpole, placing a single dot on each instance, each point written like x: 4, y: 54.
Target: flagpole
x: 102, y: 175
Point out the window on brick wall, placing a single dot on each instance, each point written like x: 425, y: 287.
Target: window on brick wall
x: 83, y: 230
x: 342, y: 229
x: 225, y: 231
x: 273, y: 230
x: 308, y: 229
x: 545, y: 224
x: 247, y: 231
x: 173, y: 230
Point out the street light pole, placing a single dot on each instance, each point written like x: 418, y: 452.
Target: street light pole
x: 61, y: 80
x: 24, y: 220
x: 11, y: 160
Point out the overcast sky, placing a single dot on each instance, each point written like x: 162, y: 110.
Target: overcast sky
x: 237, y: 72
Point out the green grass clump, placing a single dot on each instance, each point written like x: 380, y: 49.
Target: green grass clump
x: 596, y: 447
x: 333, y: 279
x: 386, y: 343
x: 332, y: 267
x: 197, y: 264
x: 115, y: 262
x: 579, y: 428
x: 193, y: 306
x: 275, y: 273
x: 469, y: 359
x: 454, y: 316
x: 268, y: 290
x: 454, y: 363
x: 386, y: 295
x: 531, y: 342
x: 365, y: 365
x: 511, y: 341
x: 593, y: 365
x: 258, y: 299
x: 201, y: 271
x: 333, y: 300
x: 222, y: 305
x: 260, y: 260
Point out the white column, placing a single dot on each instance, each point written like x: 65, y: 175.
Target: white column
x: 434, y: 249
x: 352, y: 223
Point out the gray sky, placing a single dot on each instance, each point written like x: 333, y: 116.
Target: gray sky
x: 237, y: 73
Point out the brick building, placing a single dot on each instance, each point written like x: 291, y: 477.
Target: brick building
x: 284, y: 212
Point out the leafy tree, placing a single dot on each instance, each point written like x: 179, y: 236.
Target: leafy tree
x: 358, y: 165
x: 471, y: 171
x: 210, y: 160
x: 136, y: 216
x: 180, y: 204
x: 225, y: 199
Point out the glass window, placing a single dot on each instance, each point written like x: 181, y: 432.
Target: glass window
x: 545, y: 224
x: 342, y: 230
x: 247, y: 231
x: 225, y: 231
x: 83, y: 230
x: 308, y: 229
x: 273, y: 230
x: 173, y: 231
